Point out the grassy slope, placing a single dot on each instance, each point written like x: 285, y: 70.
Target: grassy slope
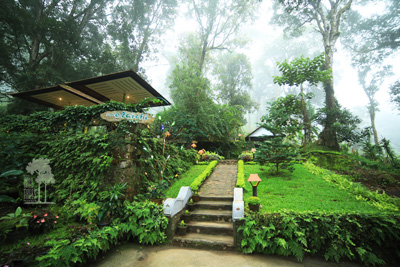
x: 185, y: 180
x: 302, y: 191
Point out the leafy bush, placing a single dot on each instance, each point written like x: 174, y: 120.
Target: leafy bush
x: 210, y: 156
x: 247, y: 156
x: 370, y: 239
x: 17, y: 218
x: 157, y: 190
x: 240, y: 182
x: 87, y: 211
x: 200, y: 179
x: 146, y: 221
x: 143, y: 220
x: 42, y: 221
x: 66, y: 253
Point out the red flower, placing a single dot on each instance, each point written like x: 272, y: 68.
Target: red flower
x: 42, y: 220
x: 34, y: 217
x: 45, y: 215
x: 57, y: 217
x: 55, y: 221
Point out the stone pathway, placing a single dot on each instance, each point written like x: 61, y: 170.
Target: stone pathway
x: 222, y: 181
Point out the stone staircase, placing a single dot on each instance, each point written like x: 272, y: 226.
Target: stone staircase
x: 209, y: 225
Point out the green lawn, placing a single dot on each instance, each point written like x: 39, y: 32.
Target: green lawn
x: 302, y: 191
x: 185, y: 180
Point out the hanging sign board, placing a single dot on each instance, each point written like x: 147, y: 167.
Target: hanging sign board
x: 115, y: 116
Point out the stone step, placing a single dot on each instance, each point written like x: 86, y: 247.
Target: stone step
x: 207, y: 215
x: 210, y: 242
x: 210, y: 228
x: 219, y: 198
x: 214, y: 205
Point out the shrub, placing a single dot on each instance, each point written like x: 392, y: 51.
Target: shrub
x: 240, y: 182
x: 200, y: 179
x: 370, y: 239
x: 42, y: 221
x: 246, y: 156
x: 209, y: 156
x: 146, y: 221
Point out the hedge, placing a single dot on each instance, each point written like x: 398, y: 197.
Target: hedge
x: 370, y: 239
x: 240, y: 182
x: 202, y: 177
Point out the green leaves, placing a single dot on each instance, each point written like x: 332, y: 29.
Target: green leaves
x: 301, y: 70
x: 371, y: 239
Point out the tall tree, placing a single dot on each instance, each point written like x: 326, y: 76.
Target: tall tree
x: 371, y: 86
x: 136, y: 28
x: 395, y: 94
x: 233, y: 73
x: 373, y: 38
x: 327, y: 17
x: 219, y: 22
x: 299, y: 72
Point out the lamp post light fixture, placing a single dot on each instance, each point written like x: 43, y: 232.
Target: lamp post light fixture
x: 256, y: 179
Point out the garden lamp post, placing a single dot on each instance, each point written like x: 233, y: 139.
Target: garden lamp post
x: 254, y: 178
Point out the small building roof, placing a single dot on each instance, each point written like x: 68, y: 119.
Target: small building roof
x: 259, y: 134
x: 126, y: 86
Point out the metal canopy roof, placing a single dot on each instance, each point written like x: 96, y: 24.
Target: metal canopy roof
x: 126, y: 87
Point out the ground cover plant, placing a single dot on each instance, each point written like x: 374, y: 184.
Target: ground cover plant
x: 303, y: 191
x: 370, y: 239
x: 185, y: 179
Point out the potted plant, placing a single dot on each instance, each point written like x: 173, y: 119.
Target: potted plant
x: 195, y: 197
x: 182, y: 228
x: 254, y: 203
x: 191, y: 205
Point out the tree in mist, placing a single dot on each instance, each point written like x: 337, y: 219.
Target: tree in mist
x: 395, y: 94
x: 298, y: 72
x: 371, y: 86
x: 373, y: 39
x: 233, y: 74
x: 327, y: 17
x: 136, y: 29
x: 219, y: 22
x: 198, y: 117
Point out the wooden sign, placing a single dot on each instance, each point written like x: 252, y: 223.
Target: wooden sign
x: 114, y: 116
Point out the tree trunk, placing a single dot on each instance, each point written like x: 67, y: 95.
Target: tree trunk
x: 372, y: 116
x: 328, y: 136
x: 306, y: 120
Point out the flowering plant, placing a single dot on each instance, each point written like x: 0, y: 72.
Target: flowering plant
x: 42, y: 221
